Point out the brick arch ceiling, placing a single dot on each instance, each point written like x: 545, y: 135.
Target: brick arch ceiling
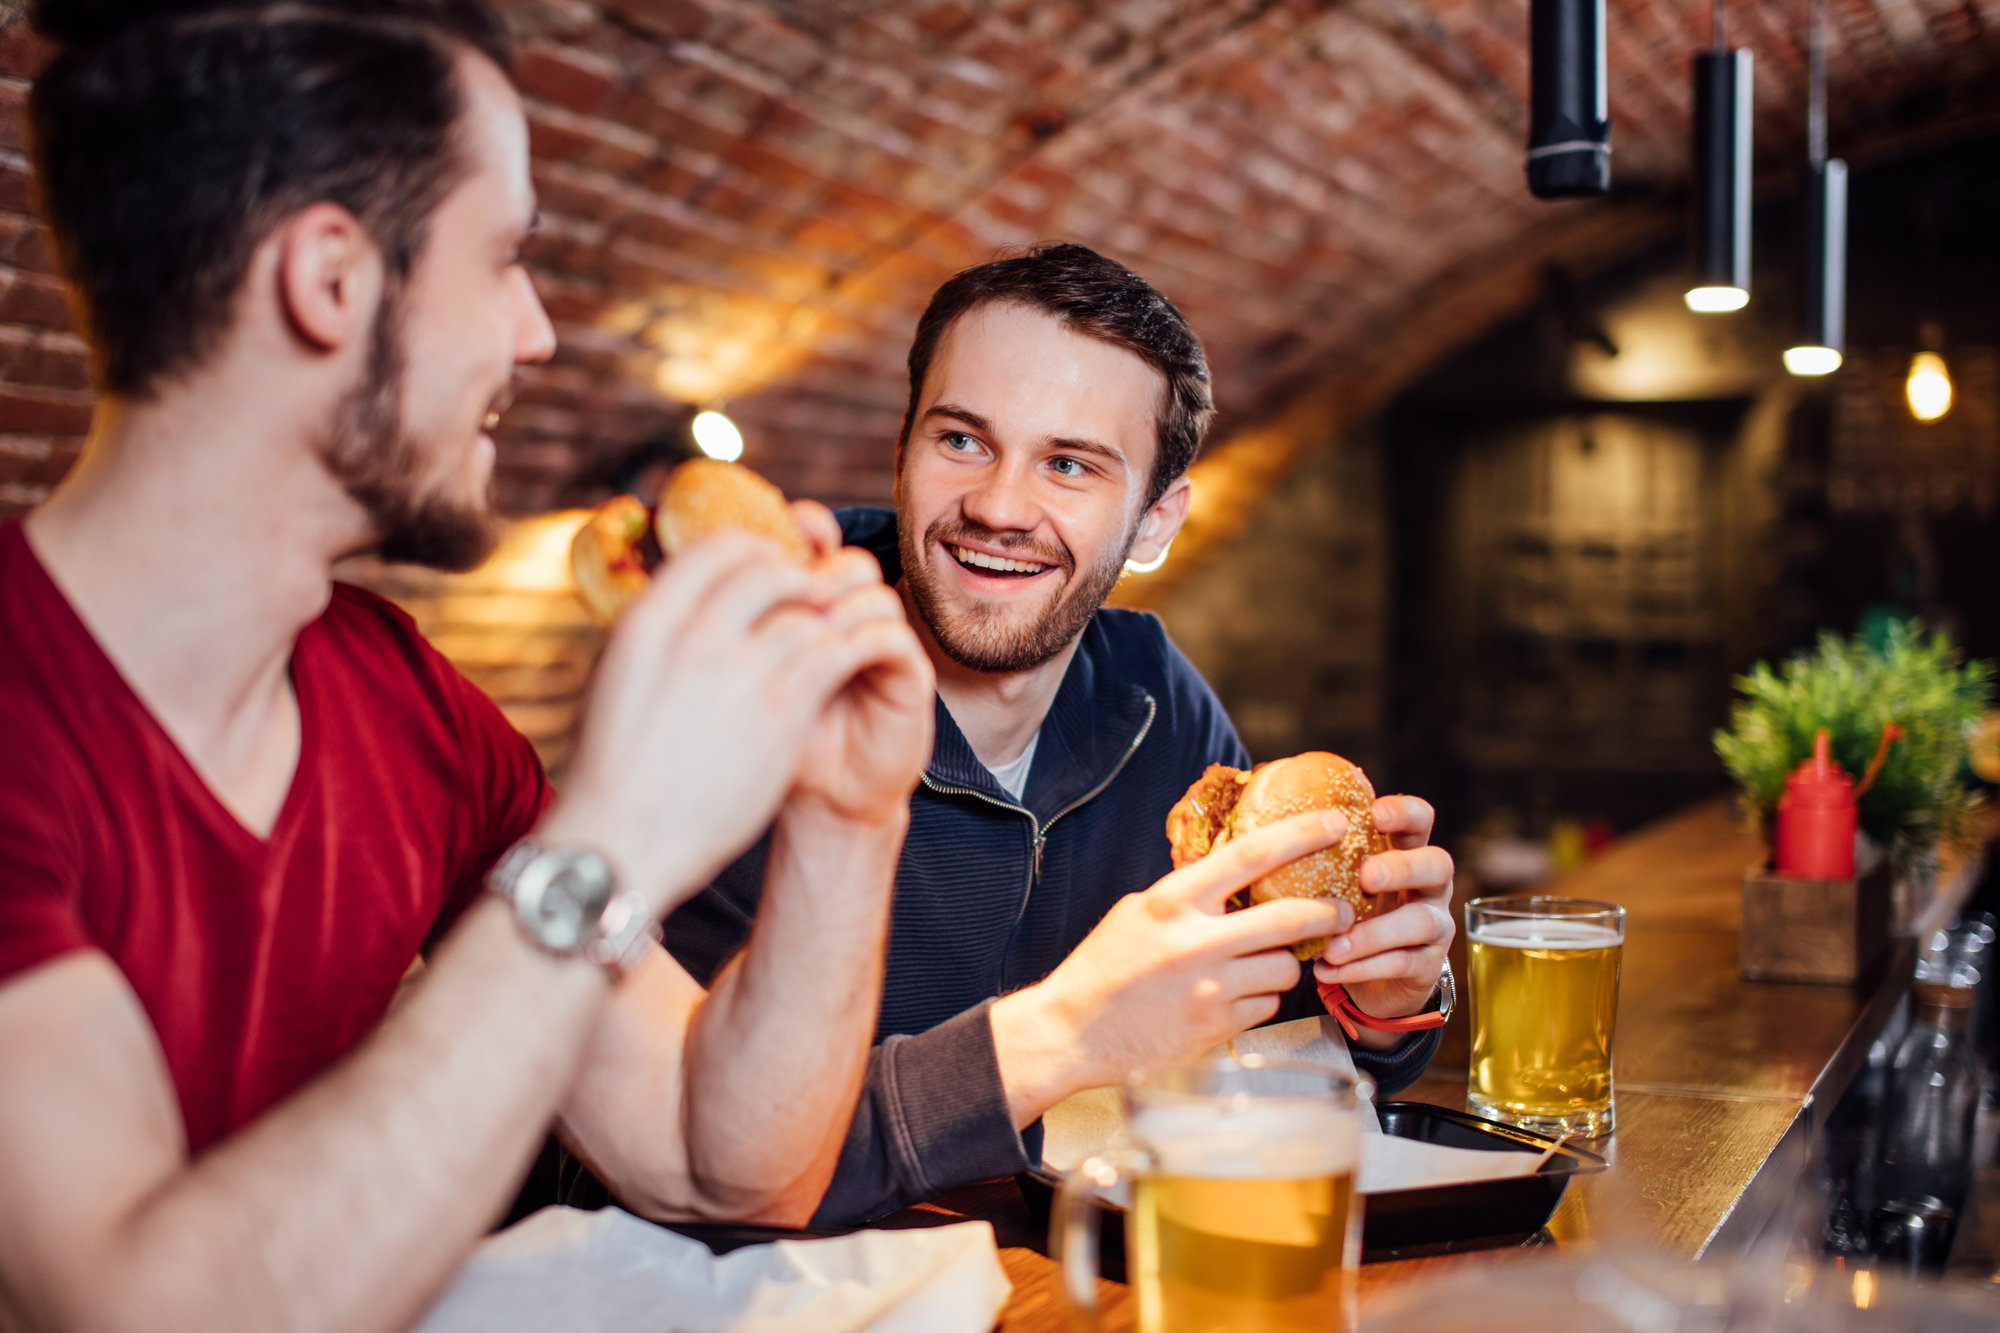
x: 750, y: 202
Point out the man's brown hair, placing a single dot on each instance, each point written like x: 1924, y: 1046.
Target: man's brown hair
x: 1102, y: 299
x: 170, y: 136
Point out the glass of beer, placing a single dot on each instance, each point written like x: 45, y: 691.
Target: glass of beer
x: 1544, y: 1002
x: 1243, y: 1214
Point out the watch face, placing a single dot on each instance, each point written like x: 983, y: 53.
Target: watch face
x: 562, y: 897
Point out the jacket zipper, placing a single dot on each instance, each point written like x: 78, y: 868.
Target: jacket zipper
x: 1039, y: 829
x: 1042, y: 830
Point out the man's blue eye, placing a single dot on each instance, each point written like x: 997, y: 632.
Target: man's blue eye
x: 961, y: 442
x: 1069, y: 467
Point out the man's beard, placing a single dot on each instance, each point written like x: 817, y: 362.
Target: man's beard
x: 381, y: 465
x: 979, y: 639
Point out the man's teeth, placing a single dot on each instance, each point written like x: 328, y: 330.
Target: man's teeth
x: 981, y: 560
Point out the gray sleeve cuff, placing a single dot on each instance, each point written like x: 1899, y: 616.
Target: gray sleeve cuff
x: 932, y: 1116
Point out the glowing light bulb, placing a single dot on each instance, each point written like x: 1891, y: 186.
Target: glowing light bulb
x: 717, y: 436
x: 1811, y: 360
x: 1135, y: 567
x: 1929, y: 387
x: 1716, y: 300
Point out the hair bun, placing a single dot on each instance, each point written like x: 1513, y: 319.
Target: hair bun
x: 90, y: 22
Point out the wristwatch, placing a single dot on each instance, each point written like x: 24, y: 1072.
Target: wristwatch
x: 567, y: 902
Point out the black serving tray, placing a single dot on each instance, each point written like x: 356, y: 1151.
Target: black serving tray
x: 1403, y: 1224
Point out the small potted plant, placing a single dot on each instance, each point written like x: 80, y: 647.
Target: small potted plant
x: 1922, y: 798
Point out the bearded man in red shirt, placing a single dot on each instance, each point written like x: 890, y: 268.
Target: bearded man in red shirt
x: 239, y: 799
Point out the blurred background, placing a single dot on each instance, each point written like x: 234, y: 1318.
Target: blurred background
x: 1486, y: 507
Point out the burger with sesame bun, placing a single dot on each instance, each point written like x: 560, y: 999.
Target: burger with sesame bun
x: 622, y: 543
x: 1225, y: 803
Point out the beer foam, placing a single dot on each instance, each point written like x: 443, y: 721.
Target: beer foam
x: 1547, y: 933
x: 1269, y: 1138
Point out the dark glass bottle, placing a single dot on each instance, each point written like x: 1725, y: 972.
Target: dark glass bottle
x: 1927, y: 1142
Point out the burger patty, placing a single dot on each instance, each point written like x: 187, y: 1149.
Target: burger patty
x: 1197, y: 819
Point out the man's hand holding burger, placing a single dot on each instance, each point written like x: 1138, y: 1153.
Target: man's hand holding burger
x: 1272, y: 861
x: 1390, y: 963
x: 1399, y: 888
x: 1167, y: 976
x: 762, y: 666
x: 752, y: 683
x: 871, y: 742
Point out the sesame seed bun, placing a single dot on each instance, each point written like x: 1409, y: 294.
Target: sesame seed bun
x: 704, y: 496
x: 1211, y: 814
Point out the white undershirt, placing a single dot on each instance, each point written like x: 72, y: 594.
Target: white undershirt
x: 1013, y: 778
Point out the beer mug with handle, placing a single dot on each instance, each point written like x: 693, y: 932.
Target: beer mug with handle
x: 1244, y: 1214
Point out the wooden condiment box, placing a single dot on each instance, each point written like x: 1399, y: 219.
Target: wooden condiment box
x: 1823, y: 930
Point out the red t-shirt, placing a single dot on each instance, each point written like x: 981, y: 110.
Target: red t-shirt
x: 260, y: 962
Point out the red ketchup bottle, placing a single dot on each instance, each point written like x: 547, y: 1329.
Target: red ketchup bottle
x: 1816, y: 819
x: 1816, y: 813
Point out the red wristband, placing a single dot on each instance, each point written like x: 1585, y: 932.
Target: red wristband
x: 1349, y: 1015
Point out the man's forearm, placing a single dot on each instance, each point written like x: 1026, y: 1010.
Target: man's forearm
x: 745, y: 1120
x: 1041, y: 1060
x: 352, y: 1204
x: 781, y: 1048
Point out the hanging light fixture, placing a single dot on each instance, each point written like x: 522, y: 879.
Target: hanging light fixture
x: 716, y: 435
x: 1721, y: 176
x: 1569, y: 129
x: 1824, y: 329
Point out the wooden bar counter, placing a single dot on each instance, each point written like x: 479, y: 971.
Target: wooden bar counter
x: 1720, y: 1083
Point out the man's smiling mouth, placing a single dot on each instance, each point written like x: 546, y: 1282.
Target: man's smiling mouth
x: 996, y: 564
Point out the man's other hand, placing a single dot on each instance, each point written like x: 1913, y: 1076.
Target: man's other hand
x: 1166, y: 976
x: 1390, y: 963
x: 705, y: 701
x: 870, y: 744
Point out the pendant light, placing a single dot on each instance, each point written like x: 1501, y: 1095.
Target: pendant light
x: 1569, y: 129
x: 1721, y: 176
x: 1824, y: 328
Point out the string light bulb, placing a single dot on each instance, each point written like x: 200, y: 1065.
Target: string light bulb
x: 716, y: 435
x: 1928, y: 388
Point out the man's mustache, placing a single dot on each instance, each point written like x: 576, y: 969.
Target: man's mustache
x: 1019, y: 545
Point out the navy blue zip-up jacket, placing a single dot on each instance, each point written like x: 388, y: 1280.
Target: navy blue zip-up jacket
x: 992, y: 893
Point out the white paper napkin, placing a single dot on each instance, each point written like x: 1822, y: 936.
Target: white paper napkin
x: 610, y: 1272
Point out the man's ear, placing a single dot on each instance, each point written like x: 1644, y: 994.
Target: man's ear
x: 329, y: 276
x: 1160, y: 524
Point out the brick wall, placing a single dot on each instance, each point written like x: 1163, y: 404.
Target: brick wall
x: 750, y: 202
x: 514, y: 626
x: 1288, y: 621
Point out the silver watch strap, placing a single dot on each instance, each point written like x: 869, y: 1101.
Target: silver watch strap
x: 626, y: 934
x: 617, y: 940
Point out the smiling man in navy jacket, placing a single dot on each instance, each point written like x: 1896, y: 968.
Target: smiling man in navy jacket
x: 1056, y: 401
